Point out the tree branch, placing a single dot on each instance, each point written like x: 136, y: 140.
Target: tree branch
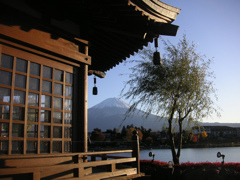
x: 189, y: 110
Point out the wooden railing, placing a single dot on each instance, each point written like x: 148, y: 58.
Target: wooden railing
x: 73, y: 165
x: 69, y: 165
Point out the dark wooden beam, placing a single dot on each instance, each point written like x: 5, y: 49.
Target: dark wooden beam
x: 120, y: 31
x: 164, y: 29
x: 99, y: 74
x: 44, y: 41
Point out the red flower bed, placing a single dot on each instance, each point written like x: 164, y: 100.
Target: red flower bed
x: 201, y: 171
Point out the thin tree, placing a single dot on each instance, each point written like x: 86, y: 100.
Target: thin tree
x: 179, y: 89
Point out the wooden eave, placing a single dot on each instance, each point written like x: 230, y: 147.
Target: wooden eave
x: 113, y: 29
x: 154, y: 11
x: 123, y: 36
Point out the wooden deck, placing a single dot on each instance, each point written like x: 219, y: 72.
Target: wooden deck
x: 70, y: 166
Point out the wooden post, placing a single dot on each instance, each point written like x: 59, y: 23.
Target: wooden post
x: 36, y: 175
x: 76, y: 172
x: 135, y: 148
x: 113, y: 167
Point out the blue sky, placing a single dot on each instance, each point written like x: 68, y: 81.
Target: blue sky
x: 214, y: 26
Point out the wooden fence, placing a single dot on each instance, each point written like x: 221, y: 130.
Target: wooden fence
x: 73, y: 165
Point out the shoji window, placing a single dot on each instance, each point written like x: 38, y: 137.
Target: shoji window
x: 35, y: 104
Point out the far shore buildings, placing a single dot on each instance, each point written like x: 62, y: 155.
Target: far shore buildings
x: 217, y: 131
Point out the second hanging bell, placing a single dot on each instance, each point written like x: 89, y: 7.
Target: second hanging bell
x: 156, y: 55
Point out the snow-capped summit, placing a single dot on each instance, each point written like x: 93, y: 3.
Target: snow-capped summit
x: 112, y: 102
x: 110, y: 114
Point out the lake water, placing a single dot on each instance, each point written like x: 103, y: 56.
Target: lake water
x: 232, y: 154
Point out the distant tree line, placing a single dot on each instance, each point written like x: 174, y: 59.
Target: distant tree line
x: 122, y: 138
x: 116, y: 138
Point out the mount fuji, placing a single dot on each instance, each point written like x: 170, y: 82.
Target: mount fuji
x: 110, y: 114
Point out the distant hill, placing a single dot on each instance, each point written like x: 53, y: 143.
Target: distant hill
x: 221, y: 124
x: 110, y: 114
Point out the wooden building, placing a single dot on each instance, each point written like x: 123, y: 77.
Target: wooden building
x: 47, y: 50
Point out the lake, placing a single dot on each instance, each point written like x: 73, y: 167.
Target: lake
x: 232, y: 154
x: 195, y: 155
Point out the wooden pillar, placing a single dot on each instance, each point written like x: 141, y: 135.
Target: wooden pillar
x: 80, y: 118
x: 85, y: 106
x: 85, y: 117
x: 135, y: 148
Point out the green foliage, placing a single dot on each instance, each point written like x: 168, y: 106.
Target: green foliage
x: 179, y: 89
x: 182, y: 82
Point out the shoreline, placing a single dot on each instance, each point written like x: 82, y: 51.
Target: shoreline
x: 220, y: 145
x: 199, y: 145
x: 211, y: 145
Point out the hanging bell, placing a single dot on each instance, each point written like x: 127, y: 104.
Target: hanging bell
x: 157, y: 58
x: 95, y: 91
